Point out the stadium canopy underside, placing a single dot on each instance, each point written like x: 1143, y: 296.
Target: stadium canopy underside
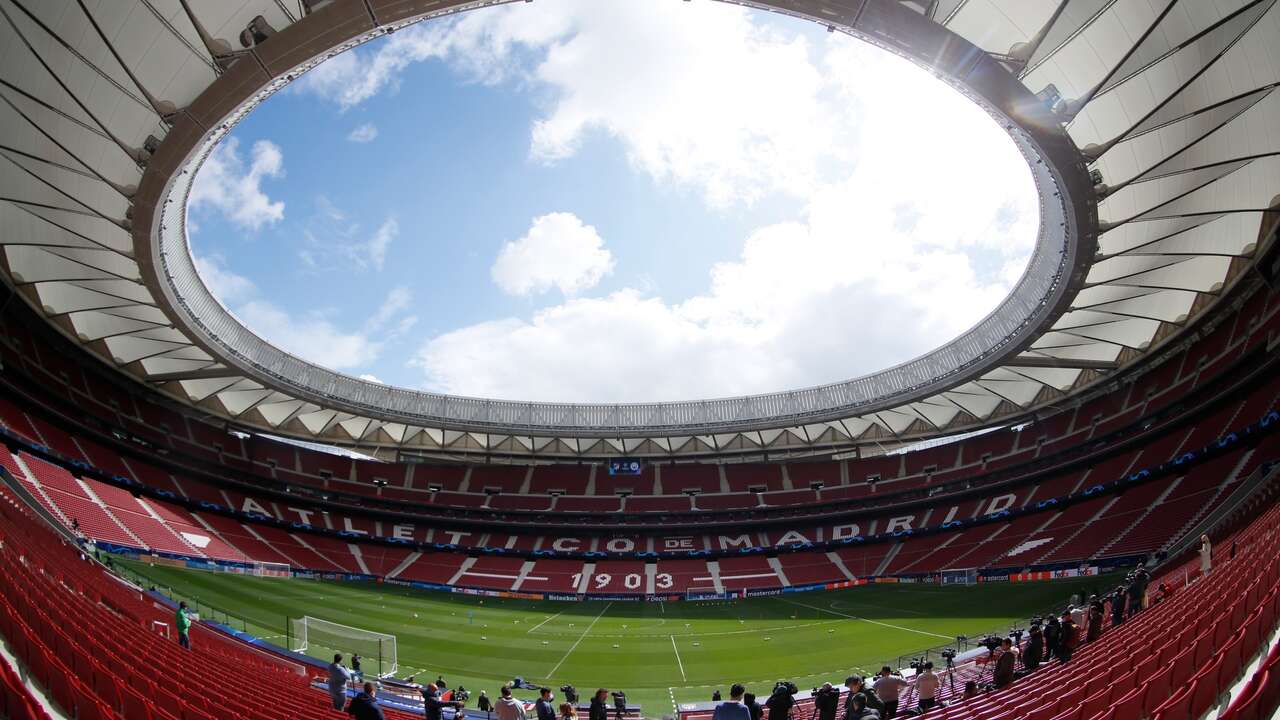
x: 1151, y: 128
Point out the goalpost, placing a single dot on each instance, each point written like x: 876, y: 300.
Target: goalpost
x: 968, y: 576
x: 271, y: 569
x: 321, y: 638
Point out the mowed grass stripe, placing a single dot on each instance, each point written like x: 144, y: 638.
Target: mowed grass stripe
x: 811, y: 637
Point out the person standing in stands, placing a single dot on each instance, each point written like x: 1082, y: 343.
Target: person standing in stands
x: 1138, y: 591
x: 734, y: 709
x: 1002, y: 676
x: 599, y: 710
x: 1052, y: 637
x: 508, y: 707
x: 339, y: 676
x: 927, y: 687
x: 544, y: 707
x: 856, y: 685
x: 827, y: 702
x: 858, y: 709
x: 753, y: 707
x: 887, y: 687
x: 1070, y: 638
x: 1206, y: 555
x: 1034, y: 650
x: 364, y: 707
x: 182, y: 621
x: 357, y: 675
x: 1117, y: 606
x: 1095, y: 620
x: 432, y: 706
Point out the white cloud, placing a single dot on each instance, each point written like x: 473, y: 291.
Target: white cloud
x: 227, y: 186
x: 371, y: 378
x: 912, y: 231
x: 374, y: 252
x: 365, y: 133
x: 558, y: 251
x: 332, y: 240
x: 313, y: 336
x: 917, y: 216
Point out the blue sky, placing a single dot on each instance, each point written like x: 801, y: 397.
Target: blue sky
x: 619, y: 201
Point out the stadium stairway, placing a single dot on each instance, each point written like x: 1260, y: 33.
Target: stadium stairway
x: 95, y: 644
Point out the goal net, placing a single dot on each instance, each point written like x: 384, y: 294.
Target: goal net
x: 960, y: 577
x: 321, y: 638
x: 271, y: 569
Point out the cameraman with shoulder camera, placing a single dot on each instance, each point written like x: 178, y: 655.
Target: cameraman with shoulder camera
x: 781, y: 701
x: 826, y: 700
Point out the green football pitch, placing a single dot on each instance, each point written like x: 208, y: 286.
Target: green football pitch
x: 660, y: 654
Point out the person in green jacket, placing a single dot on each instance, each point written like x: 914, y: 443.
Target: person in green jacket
x: 183, y: 623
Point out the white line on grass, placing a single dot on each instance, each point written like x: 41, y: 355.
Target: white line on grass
x: 544, y: 622
x: 873, y: 622
x: 579, y: 640
x: 678, y: 662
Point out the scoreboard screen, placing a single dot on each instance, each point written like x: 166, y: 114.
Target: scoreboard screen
x: 624, y: 466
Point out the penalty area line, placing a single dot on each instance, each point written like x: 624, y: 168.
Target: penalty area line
x: 678, y: 661
x: 862, y: 619
x: 578, y: 642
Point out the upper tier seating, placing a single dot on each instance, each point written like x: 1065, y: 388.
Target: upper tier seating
x: 203, y: 450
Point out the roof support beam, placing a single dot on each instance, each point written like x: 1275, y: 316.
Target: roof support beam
x: 1062, y: 363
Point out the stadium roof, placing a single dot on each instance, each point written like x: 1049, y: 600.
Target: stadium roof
x: 107, y: 115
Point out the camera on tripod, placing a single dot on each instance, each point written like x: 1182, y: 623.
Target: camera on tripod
x: 461, y: 694
x: 1016, y: 633
x: 949, y: 654
x: 619, y: 700
x: 570, y: 694
x: 785, y: 687
x: 916, y: 664
x: 990, y: 642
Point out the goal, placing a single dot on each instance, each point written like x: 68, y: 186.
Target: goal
x: 968, y: 576
x: 271, y: 569
x: 321, y: 638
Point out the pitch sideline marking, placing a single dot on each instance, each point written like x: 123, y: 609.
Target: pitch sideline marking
x: 678, y: 662
x: 544, y: 622
x: 873, y: 622
x: 579, y: 640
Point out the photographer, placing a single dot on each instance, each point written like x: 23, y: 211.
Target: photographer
x: 781, y: 701
x: 1002, y: 676
x: 753, y: 707
x: 1035, y: 648
x: 433, y: 705
x: 927, y: 685
x: 856, y: 685
x: 887, y: 687
x: 826, y: 701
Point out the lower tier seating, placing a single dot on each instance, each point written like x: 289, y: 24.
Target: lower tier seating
x: 101, y: 648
